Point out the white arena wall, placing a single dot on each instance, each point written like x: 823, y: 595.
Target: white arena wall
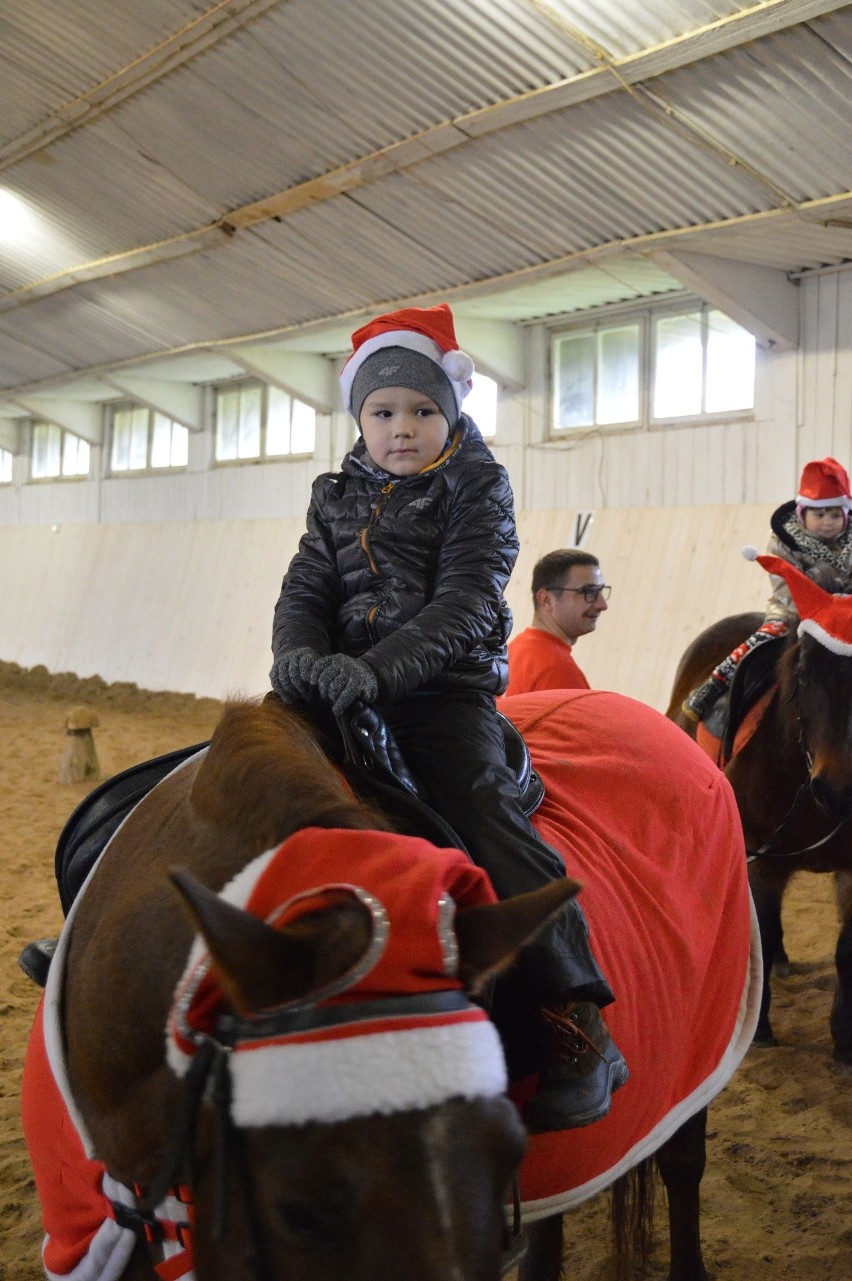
x: 170, y: 581
x: 187, y: 605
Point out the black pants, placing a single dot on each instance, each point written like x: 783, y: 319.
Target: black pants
x: 453, y: 743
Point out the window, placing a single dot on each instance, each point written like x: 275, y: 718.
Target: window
x: 704, y: 364
x: 652, y: 367
x: 57, y: 452
x: 597, y: 376
x: 481, y: 404
x: 5, y: 467
x: 144, y: 440
x: 258, y: 421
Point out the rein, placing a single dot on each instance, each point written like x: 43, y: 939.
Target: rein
x: 767, y: 849
x: 209, y: 1077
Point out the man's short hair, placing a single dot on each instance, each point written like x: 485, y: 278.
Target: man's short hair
x: 554, y: 568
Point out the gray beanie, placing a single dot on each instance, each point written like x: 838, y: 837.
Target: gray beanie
x: 402, y: 367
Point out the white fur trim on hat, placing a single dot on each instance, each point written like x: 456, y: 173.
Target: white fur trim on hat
x: 333, y: 1078
x: 457, y: 365
x: 812, y: 628
x: 836, y: 500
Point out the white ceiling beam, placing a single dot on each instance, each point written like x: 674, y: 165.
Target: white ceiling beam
x: 761, y: 299
x: 80, y: 417
x: 301, y: 374
x: 497, y: 347
x: 182, y: 402
x: 8, y: 434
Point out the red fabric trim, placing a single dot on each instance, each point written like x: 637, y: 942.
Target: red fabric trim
x: 73, y: 1206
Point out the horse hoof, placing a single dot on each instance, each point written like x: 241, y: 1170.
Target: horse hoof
x: 763, y: 1040
x: 782, y: 969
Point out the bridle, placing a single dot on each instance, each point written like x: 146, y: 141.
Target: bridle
x: 209, y: 1077
x: 769, y: 847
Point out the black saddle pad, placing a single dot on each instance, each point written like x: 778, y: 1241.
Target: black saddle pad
x: 99, y: 814
x: 754, y: 675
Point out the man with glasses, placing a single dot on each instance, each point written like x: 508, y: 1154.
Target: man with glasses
x: 569, y: 595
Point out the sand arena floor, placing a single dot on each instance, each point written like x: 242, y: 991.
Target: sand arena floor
x: 777, y: 1198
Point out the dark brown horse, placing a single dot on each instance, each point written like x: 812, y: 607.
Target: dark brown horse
x: 793, y: 785
x: 415, y: 1194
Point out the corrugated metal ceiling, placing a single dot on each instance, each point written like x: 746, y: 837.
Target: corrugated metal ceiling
x: 189, y: 172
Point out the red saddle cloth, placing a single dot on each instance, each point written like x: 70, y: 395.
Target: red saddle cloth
x: 712, y: 744
x: 650, y: 827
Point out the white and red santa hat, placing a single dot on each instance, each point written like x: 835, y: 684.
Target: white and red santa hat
x: 371, y: 1055
x: 824, y: 483
x: 428, y: 331
x: 827, y: 616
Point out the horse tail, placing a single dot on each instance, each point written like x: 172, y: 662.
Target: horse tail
x: 632, y: 1211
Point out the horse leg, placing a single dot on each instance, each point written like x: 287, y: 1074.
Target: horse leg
x: 767, y: 888
x: 681, y: 1161
x: 841, y: 1011
x: 543, y: 1259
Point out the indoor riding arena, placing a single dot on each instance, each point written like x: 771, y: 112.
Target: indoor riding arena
x: 640, y: 215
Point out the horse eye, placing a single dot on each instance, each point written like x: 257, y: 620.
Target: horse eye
x: 303, y: 1221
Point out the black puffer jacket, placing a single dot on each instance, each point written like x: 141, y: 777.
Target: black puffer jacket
x: 407, y: 573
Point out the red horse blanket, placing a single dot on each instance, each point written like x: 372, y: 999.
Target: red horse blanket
x: 650, y: 826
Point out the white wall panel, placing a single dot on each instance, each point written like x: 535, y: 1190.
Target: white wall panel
x: 185, y: 606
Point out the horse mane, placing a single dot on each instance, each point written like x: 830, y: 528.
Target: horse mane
x: 266, y: 776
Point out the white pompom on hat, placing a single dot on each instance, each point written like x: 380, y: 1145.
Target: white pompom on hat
x: 824, y: 483
x: 427, y: 330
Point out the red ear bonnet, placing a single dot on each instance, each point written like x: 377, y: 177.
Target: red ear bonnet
x: 824, y: 615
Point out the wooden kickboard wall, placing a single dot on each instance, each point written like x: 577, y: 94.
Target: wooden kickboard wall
x: 187, y: 606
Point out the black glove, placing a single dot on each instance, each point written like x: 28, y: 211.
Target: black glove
x: 293, y: 675
x: 342, y: 681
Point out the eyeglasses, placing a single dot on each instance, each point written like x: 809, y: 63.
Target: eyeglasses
x: 590, y: 592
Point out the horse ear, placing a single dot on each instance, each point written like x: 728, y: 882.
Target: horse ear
x: 260, y: 967
x: 491, y: 937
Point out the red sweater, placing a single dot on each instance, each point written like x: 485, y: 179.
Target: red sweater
x: 539, y: 660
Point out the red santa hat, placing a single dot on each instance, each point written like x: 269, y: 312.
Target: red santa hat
x: 827, y: 616
x: 824, y: 483
x: 362, y: 1050
x: 428, y: 331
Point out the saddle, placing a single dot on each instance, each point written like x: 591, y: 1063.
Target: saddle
x: 754, y: 676
x: 372, y: 759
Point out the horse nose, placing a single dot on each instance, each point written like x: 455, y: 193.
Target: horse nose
x: 833, y: 796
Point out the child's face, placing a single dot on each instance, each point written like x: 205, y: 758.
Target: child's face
x: 825, y: 523
x: 404, y: 431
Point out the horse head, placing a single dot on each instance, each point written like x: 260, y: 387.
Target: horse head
x: 818, y: 679
x: 354, y: 1075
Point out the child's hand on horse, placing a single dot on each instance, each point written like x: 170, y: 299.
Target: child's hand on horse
x: 293, y: 675
x: 341, y: 681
